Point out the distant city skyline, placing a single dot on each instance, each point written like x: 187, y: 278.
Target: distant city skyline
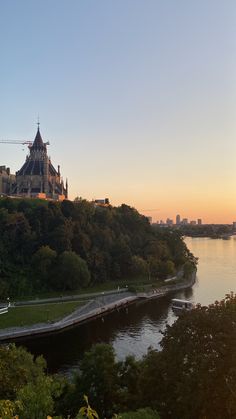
x: 136, y: 98
x: 179, y: 221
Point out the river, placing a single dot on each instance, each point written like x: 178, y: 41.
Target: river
x: 132, y: 331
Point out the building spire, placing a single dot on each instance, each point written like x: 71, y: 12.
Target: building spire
x: 38, y: 142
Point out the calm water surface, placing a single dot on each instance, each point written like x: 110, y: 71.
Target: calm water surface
x: 134, y: 331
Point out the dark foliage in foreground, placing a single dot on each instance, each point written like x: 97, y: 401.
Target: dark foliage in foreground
x: 194, y: 376
x: 64, y: 246
x: 195, y: 373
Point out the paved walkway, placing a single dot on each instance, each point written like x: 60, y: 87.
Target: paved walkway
x: 64, y: 298
x: 94, y: 308
x: 97, y: 307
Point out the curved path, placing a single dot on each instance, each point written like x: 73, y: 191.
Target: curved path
x: 97, y: 307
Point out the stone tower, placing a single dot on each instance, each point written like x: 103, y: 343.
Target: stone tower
x: 38, y: 178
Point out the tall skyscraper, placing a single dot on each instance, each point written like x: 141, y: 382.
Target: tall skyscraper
x: 178, y: 219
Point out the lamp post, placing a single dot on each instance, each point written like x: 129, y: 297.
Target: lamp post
x: 47, y: 312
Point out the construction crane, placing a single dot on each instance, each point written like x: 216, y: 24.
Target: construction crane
x: 28, y: 143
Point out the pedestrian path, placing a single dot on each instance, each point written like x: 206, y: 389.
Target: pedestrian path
x: 97, y: 307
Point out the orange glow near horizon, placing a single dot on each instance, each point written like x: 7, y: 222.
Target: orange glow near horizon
x: 211, y: 211
x: 136, y: 98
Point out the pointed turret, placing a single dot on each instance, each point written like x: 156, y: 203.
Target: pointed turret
x: 38, y: 177
x: 38, y: 142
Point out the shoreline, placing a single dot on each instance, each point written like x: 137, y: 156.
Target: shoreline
x: 78, y: 318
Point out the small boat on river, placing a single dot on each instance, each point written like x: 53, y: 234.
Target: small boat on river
x: 181, y: 305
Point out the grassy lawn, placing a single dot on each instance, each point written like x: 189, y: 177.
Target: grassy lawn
x: 25, y: 316
x: 140, y: 284
x: 105, y: 286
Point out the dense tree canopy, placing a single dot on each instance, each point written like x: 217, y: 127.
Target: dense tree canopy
x: 42, y: 240
x: 99, y: 379
x: 207, y: 230
x: 17, y: 368
x: 25, y: 388
x: 193, y: 376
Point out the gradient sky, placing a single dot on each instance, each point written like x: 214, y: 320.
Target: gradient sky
x: 137, y: 99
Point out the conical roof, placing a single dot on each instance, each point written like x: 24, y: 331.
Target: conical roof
x: 38, y: 142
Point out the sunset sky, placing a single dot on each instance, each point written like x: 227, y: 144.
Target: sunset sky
x: 137, y: 99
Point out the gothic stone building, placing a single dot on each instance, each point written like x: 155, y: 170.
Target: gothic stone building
x: 38, y: 178
x: 7, y: 180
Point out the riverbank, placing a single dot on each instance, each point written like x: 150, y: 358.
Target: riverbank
x: 98, y: 307
x: 27, y: 315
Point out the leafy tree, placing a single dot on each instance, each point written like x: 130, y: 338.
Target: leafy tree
x: 195, y: 373
x: 60, y: 238
x: 113, y: 242
x: 84, y: 211
x: 139, y: 266
x: 9, y: 204
x: 72, y: 272
x: 4, y: 289
x: 17, y: 368
x: 18, y: 238
x: 43, y: 263
x: 67, y: 208
x: 81, y: 242
x: 8, y: 409
x: 99, y: 264
x: 99, y: 379
x: 129, y: 373
x: 36, y: 399
x: 121, y: 255
x: 158, y: 249
x: 150, y: 379
x: 188, y: 268
x: 102, y: 216
x: 166, y: 268
x: 153, y: 267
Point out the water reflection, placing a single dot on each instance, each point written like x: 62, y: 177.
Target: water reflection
x: 134, y: 331
x: 129, y: 332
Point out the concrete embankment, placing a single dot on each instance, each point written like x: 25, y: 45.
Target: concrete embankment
x: 99, y: 307
x: 92, y: 310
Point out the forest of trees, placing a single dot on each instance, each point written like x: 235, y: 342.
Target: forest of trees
x: 193, y: 376
x: 214, y: 231
x: 48, y: 245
